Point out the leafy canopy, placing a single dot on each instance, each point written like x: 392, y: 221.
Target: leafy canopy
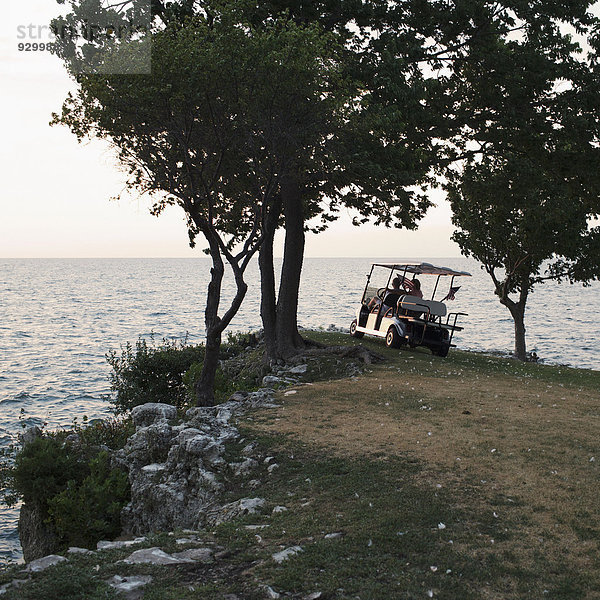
x: 527, y: 191
x: 225, y: 112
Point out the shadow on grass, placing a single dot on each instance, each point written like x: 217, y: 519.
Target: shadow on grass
x: 370, y: 529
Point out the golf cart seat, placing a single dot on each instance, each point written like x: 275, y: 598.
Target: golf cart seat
x: 413, y: 306
x: 391, y: 299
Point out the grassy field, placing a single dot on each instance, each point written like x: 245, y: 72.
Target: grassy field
x: 465, y: 477
x: 457, y: 478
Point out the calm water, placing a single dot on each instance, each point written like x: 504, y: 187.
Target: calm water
x: 58, y: 318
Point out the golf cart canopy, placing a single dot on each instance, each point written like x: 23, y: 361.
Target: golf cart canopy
x: 422, y: 269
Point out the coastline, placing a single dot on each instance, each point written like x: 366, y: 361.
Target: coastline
x: 415, y: 437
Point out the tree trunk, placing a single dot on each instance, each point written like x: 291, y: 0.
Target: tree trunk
x: 517, y: 311
x: 289, y: 340
x: 268, y: 304
x: 204, y: 388
x: 518, y: 315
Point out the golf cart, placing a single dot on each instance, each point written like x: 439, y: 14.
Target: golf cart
x: 401, y: 317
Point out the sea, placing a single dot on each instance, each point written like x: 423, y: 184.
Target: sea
x: 59, y: 318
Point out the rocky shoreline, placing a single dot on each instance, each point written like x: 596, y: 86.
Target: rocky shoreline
x: 176, y: 467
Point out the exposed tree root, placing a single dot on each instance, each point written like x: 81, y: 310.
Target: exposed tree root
x: 368, y: 357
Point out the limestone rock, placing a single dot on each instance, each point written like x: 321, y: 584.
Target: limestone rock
x: 154, y: 556
x: 73, y: 439
x: 249, y: 449
x: 271, y: 593
x: 130, y: 587
x: 146, y: 446
x: 233, y: 510
x: 279, y: 557
x: 75, y: 550
x: 154, y: 469
x: 105, y: 545
x: 174, y: 470
x: 41, y: 564
x: 203, y: 555
x: 244, y: 467
x: 29, y: 435
x: 38, y: 539
x: 151, y: 413
x: 269, y: 381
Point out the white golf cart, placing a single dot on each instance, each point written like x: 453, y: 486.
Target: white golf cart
x: 401, y: 317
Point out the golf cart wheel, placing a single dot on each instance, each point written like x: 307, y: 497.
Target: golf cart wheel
x: 353, y: 332
x: 392, y: 339
x: 442, y: 350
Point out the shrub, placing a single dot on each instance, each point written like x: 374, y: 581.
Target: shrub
x: 72, y: 484
x: 167, y: 372
x: 111, y: 432
x: 149, y: 373
x: 236, y: 343
x: 90, y: 511
x: 43, y: 469
x: 224, y: 386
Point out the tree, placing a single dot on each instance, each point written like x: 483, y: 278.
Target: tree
x: 407, y: 70
x: 203, y: 131
x: 525, y: 198
x: 376, y: 160
x: 366, y: 156
x: 524, y: 229
x: 415, y: 66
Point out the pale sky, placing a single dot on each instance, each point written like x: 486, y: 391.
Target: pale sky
x: 55, y: 199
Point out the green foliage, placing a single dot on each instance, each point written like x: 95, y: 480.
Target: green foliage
x: 149, y: 373
x: 89, y: 511
x: 71, y: 482
x: 66, y: 581
x: 112, y: 432
x: 167, y: 373
x: 224, y: 385
x: 236, y: 343
x: 232, y: 101
x: 525, y: 196
x: 45, y: 467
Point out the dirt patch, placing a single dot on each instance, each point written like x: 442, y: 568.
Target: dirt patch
x: 521, y: 449
x: 440, y: 419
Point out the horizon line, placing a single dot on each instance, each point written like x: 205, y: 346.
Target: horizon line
x: 373, y: 257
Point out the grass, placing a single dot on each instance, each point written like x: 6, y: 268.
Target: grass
x: 470, y: 477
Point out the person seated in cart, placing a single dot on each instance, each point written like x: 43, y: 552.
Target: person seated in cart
x: 412, y: 286
x: 408, y: 319
x: 391, y: 296
x: 399, y: 284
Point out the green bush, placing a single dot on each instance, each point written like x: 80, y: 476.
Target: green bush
x: 90, y: 511
x: 236, y: 343
x: 71, y: 482
x: 111, y: 432
x: 224, y: 386
x: 44, y: 468
x: 166, y: 373
x: 149, y: 373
